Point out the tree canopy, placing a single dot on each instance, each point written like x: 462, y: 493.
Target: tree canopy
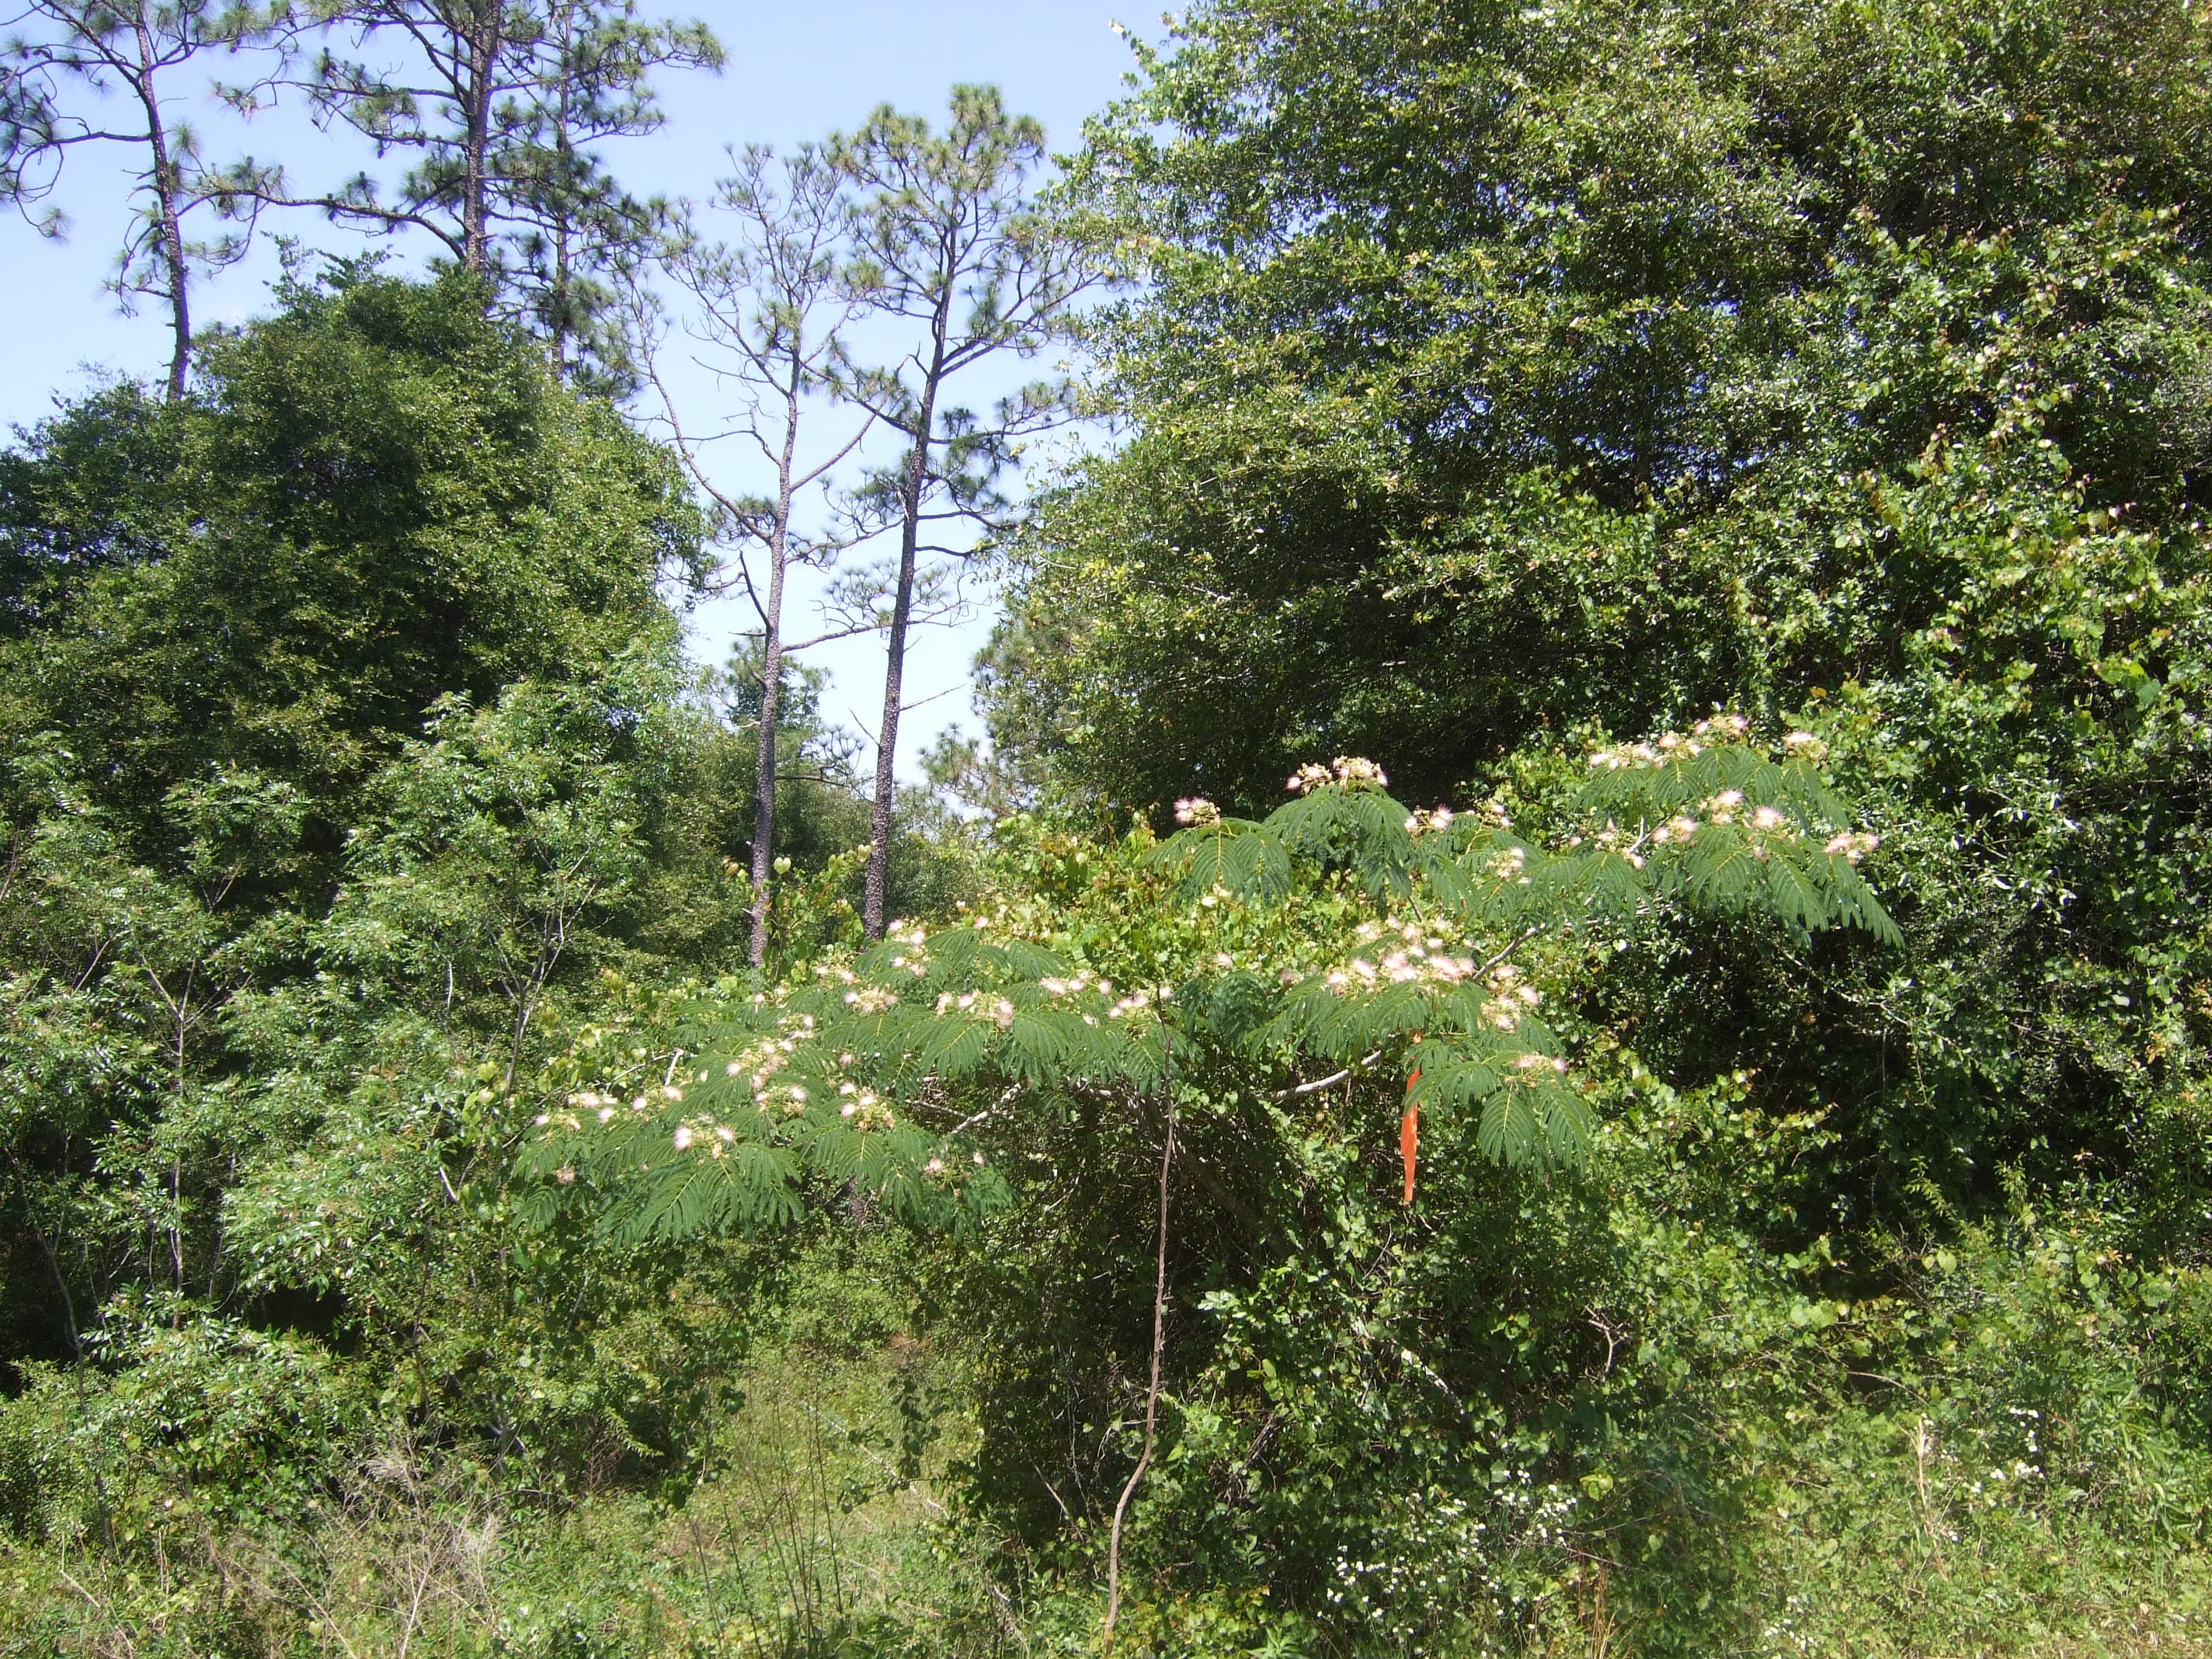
x: 1568, y: 1013
x: 1502, y: 374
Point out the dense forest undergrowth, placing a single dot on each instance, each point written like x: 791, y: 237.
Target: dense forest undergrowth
x: 1567, y: 1013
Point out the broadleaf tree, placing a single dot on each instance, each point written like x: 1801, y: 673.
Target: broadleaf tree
x: 1492, y: 372
x: 1343, y: 967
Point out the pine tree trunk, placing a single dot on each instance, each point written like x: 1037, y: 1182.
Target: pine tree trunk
x: 771, y: 698
x: 779, y: 554
x: 917, y: 481
x: 169, y: 219
x: 484, y: 40
x: 879, y: 846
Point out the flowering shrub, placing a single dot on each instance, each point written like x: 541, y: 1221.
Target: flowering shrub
x: 1277, y: 1017
x: 880, y: 1070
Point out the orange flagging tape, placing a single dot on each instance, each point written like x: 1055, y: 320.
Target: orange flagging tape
x: 1409, y: 1134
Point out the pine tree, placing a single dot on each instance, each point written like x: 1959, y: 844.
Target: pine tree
x: 499, y: 103
x: 948, y: 249
x: 136, y: 49
x: 771, y: 307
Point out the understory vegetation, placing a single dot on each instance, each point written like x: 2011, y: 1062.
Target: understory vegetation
x: 1567, y: 1013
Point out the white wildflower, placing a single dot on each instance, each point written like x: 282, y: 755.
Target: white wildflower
x: 1803, y: 745
x: 1853, y: 846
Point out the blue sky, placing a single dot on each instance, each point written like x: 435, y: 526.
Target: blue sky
x: 795, y: 72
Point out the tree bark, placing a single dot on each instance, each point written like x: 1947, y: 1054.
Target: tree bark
x: 484, y: 40
x: 879, y: 845
x: 1159, y: 1351
x: 169, y: 220
x: 779, y: 551
x: 917, y: 480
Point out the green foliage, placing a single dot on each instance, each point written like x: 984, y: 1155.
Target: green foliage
x: 1737, y: 1191
x: 379, y: 764
x: 375, y: 500
x: 855, y: 1076
x: 1032, y: 1056
x: 1498, y: 373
